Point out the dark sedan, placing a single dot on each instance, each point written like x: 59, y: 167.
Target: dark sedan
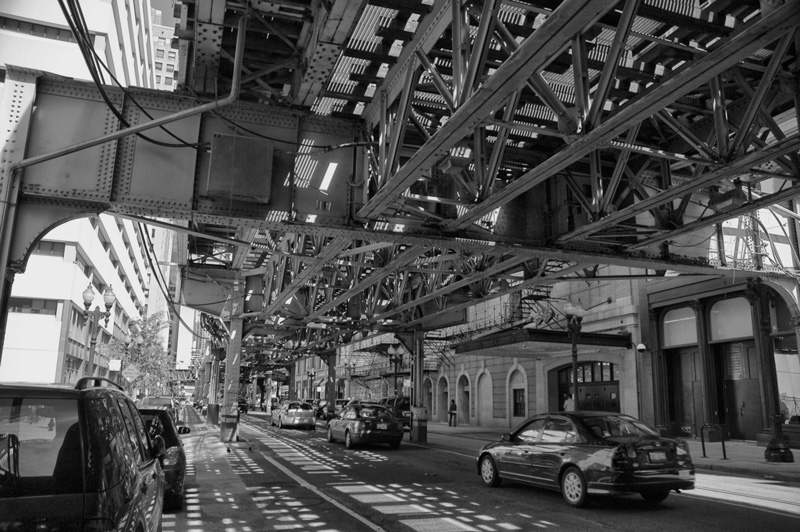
x: 160, y: 422
x: 362, y: 423
x: 583, y: 453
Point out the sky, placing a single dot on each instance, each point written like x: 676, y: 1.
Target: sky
x: 165, y: 6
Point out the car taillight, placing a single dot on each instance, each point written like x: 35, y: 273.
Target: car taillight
x: 171, y: 456
x: 624, y: 456
x: 682, y: 449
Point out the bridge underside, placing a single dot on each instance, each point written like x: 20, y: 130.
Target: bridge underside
x: 423, y: 158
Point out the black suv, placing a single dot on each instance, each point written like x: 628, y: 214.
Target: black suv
x: 401, y: 406
x: 77, y: 458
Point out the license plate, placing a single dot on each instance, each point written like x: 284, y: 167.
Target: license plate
x: 658, y: 456
x: 382, y: 426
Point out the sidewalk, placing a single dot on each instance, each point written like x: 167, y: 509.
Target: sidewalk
x: 744, y: 458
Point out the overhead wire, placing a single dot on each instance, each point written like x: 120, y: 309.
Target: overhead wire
x: 74, y: 16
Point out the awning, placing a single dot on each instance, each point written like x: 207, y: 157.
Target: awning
x: 535, y: 342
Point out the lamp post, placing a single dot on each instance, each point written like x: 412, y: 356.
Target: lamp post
x: 396, y: 358
x: 93, y: 317
x: 574, y: 314
x: 310, y: 377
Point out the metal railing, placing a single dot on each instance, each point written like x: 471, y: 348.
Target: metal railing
x: 709, y: 426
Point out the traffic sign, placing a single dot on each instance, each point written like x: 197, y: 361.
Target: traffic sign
x: 130, y: 372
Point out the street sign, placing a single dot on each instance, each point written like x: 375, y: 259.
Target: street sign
x: 130, y: 372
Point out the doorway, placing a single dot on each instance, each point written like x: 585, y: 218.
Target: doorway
x: 739, y: 393
x: 462, y: 400
x: 684, y: 391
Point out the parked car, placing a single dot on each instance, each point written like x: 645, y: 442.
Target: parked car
x: 363, y: 423
x: 167, y: 401
x: 294, y: 414
x: 77, y: 457
x: 401, y: 406
x: 589, y: 452
x: 325, y: 410
x: 159, y: 422
x: 243, y: 406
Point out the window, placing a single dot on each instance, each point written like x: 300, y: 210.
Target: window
x: 24, y: 305
x: 158, y: 79
x: 54, y: 249
x: 170, y: 67
x: 168, y: 81
x: 159, y: 54
x: 172, y: 56
x: 558, y: 430
x: 159, y: 65
x: 530, y: 433
x: 519, y: 402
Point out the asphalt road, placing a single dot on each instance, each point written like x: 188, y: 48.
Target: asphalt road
x: 300, y: 482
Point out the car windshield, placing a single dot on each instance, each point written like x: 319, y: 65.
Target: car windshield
x: 373, y: 411
x: 40, y: 445
x: 618, y: 426
x: 299, y: 406
x: 157, y: 401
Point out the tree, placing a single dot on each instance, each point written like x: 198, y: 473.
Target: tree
x: 144, y: 348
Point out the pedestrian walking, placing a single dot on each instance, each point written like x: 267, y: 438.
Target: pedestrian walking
x: 451, y: 413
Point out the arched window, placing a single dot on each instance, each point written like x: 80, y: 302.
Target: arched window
x: 680, y: 327
x: 730, y: 319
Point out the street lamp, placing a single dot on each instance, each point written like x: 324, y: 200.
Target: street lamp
x: 574, y: 314
x: 310, y: 377
x: 396, y: 358
x: 93, y: 317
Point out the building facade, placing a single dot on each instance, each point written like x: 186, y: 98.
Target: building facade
x: 48, y: 336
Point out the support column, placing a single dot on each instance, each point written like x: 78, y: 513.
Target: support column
x: 778, y: 447
x: 419, y: 420
x: 16, y: 106
x: 229, y: 422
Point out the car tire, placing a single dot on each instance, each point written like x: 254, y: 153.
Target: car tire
x: 395, y: 444
x: 173, y: 502
x: 348, y: 440
x: 573, y: 487
x: 489, y: 473
x: 330, y: 437
x: 655, y: 497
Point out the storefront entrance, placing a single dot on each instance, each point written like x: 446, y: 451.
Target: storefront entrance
x: 598, y: 386
x: 737, y: 375
x: 685, y: 392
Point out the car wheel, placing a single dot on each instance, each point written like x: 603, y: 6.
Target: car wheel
x: 173, y: 502
x: 573, y: 487
x: 655, y: 497
x: 348, y: 441
x: 395, y: 444
x: 489, y: 473
x: 331, y: 439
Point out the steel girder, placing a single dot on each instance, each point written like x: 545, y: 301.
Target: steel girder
x: 388, y: 164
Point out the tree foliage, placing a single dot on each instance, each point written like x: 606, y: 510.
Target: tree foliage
x: 144, y: 348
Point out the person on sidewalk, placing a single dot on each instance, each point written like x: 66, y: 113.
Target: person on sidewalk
x: 569, y: 404
x: 451, y: 413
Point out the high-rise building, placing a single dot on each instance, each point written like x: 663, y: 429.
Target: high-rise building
x: 47, y: 336
x: 166, y: 58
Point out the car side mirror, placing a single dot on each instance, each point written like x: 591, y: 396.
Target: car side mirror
x: 159, y: 446
x: 183, y: 429
x: 507, y: 436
